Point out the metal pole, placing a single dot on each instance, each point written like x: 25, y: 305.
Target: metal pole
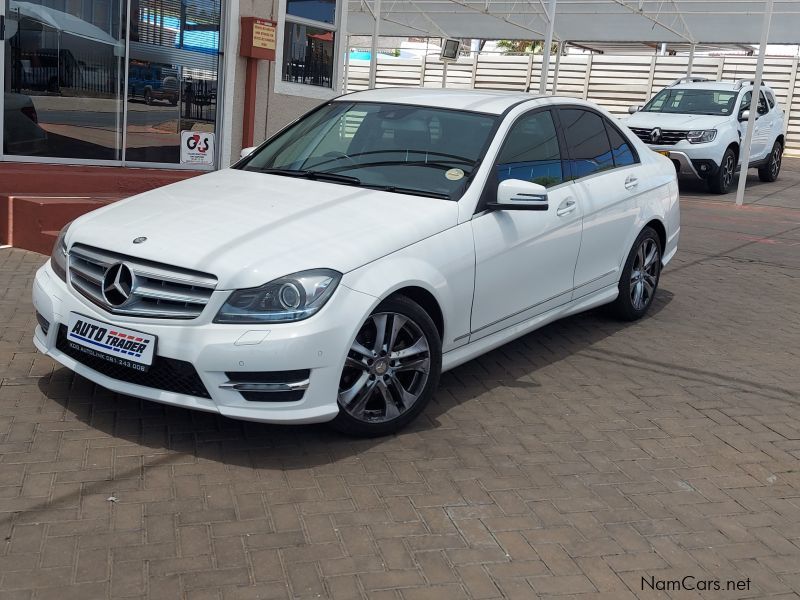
x: 751, y: 121
x: 691, y: 61
x: 345, y: 83
x: 562, y: 47
x: 551, y: 18
x: 373, y: 55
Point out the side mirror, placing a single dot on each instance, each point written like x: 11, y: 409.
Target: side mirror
x: 744, y: 115
x: 516, y: 194
x: 247, y: 151
x: 634, y: 108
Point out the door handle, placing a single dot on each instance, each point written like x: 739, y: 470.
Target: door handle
x: 566, y: 207
x: 631, y: 182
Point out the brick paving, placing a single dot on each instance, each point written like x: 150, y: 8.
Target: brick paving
x: 570, y: 463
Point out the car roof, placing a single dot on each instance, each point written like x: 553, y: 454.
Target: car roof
x: 730, y: 86
x: 485, y: 101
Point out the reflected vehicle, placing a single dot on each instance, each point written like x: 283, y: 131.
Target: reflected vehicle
x: 49, y: 69
x: 153, y: 81
x: 21, y: 133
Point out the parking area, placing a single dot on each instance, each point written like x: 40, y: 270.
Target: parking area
x: 581, y: 460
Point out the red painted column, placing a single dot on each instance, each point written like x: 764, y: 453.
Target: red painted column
x: 249, y: 115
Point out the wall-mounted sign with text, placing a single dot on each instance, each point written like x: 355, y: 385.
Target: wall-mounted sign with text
x: 197, y: 148
x: 258, y: 38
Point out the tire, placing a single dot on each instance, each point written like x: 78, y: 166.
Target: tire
x: 148, y: 97
x: 720, y: 182
x: 638, y: 287
x: 769, y: 172
x: 378, y: 394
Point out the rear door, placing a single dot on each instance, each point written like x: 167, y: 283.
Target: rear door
x: 609, y: 181
x: 762, y: 133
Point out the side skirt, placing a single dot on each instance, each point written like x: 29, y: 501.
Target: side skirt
x: 462, y: 354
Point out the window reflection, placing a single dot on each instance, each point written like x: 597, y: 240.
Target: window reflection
x: 308, y: 55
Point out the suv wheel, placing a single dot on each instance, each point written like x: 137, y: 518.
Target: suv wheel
x: 720, y: 182
x: 769, y: 172
x: 391, y: 371
x: 639, y: 280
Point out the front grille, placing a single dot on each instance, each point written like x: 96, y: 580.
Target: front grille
x: 167, y: 374
x: 43, y: 323
x: 669, y: 137
x: 157, y: 291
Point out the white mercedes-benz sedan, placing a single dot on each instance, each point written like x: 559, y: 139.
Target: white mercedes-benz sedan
x: 335, y: 271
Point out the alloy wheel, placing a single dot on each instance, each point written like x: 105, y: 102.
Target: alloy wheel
x: 644, y: 273
x: 727, y: 171
x: 775, y: 161
x: 386, y: 368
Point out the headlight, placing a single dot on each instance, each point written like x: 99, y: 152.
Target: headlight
x: 701, y: 136
x: 58, y: 257
x: 291, y: 298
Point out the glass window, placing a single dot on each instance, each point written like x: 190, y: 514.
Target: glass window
x: 692, y: 101
x: 530, y: 151
x: 770, y: 98
x: 384, y: 146
x: 621, y: 150
x: 308, y: 55
x: 64, y: 79
x: 589, y: 148
x: 745, y: 104
x: 323, y: 11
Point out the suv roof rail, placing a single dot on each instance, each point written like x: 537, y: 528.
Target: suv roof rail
x: 688, y: 80
x: 743, y: 82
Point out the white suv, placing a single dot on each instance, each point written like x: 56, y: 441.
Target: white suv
x: 337, y: 270
x: 700, y: 126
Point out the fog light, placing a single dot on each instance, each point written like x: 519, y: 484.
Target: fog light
x: 704, y: 167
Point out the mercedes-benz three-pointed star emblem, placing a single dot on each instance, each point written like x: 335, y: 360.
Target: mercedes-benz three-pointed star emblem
x: 118, y: 284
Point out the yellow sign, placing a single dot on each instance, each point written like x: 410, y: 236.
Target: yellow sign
x: 264, y: 35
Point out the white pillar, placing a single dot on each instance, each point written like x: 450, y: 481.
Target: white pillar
x: 562, y: 47
x: 551, y: 18
x: 663, y: 49
x: 751, y: 121
x: 373, y: 54
x: 346, y: 64
x: 691, y: 61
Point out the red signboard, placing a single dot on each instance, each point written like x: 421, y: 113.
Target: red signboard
x: 258, y: 38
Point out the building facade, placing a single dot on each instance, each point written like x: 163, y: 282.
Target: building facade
x: 157, y: 83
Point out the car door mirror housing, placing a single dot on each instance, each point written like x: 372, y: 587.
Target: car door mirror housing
x: 744, y: 115
x: 517, y: 194
x: 247, y: 151
x: 634, y: 108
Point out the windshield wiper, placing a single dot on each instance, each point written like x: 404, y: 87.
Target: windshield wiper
x: 314, y: 175
x: 412, y: 191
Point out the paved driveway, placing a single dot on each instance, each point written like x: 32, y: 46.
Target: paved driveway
x: 591, y: 458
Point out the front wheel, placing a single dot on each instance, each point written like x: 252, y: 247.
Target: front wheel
x: 639, y: 281
x: 720, y: 182
x: 769, y: 172
x: 391, y: 370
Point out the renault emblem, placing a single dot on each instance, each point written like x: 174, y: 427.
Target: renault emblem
x: 655, y: 135
x: 118, y: 284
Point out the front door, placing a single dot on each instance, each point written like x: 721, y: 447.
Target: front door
x: 525, y: 260
x: 763, y: 126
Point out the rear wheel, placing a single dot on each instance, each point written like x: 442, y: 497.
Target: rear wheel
x: 148, y: 97
x: 720, y: 182
x: 639, y: 281
x: 391, y: 371
x: 769, y: 172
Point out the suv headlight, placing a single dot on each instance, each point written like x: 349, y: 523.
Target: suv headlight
x: 291, y: 298
x: 58, y: 257
x: 701, y: 136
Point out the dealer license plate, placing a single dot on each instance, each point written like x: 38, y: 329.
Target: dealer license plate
x: 117, y: 345
x: 664, y: 152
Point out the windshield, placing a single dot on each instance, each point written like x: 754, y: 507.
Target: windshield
x: 693, y: 102
x: 408, y: 149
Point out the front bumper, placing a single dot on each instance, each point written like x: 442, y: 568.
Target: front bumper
x: 317, y: 345
x: 687, y: 165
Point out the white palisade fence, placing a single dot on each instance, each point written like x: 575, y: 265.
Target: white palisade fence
x: 612, y: 81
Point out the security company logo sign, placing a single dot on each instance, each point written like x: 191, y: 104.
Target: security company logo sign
x: 197, y: 148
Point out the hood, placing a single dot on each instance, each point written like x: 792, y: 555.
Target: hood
x: 249, y: 228
x: 675, y: 120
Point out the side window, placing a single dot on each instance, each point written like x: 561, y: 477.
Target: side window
x: 770, y: 99
x: 621, y: 150
x: 763, y: 108
x: 589, y: 148
x: 531, y: 151
x: 745, y: 104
